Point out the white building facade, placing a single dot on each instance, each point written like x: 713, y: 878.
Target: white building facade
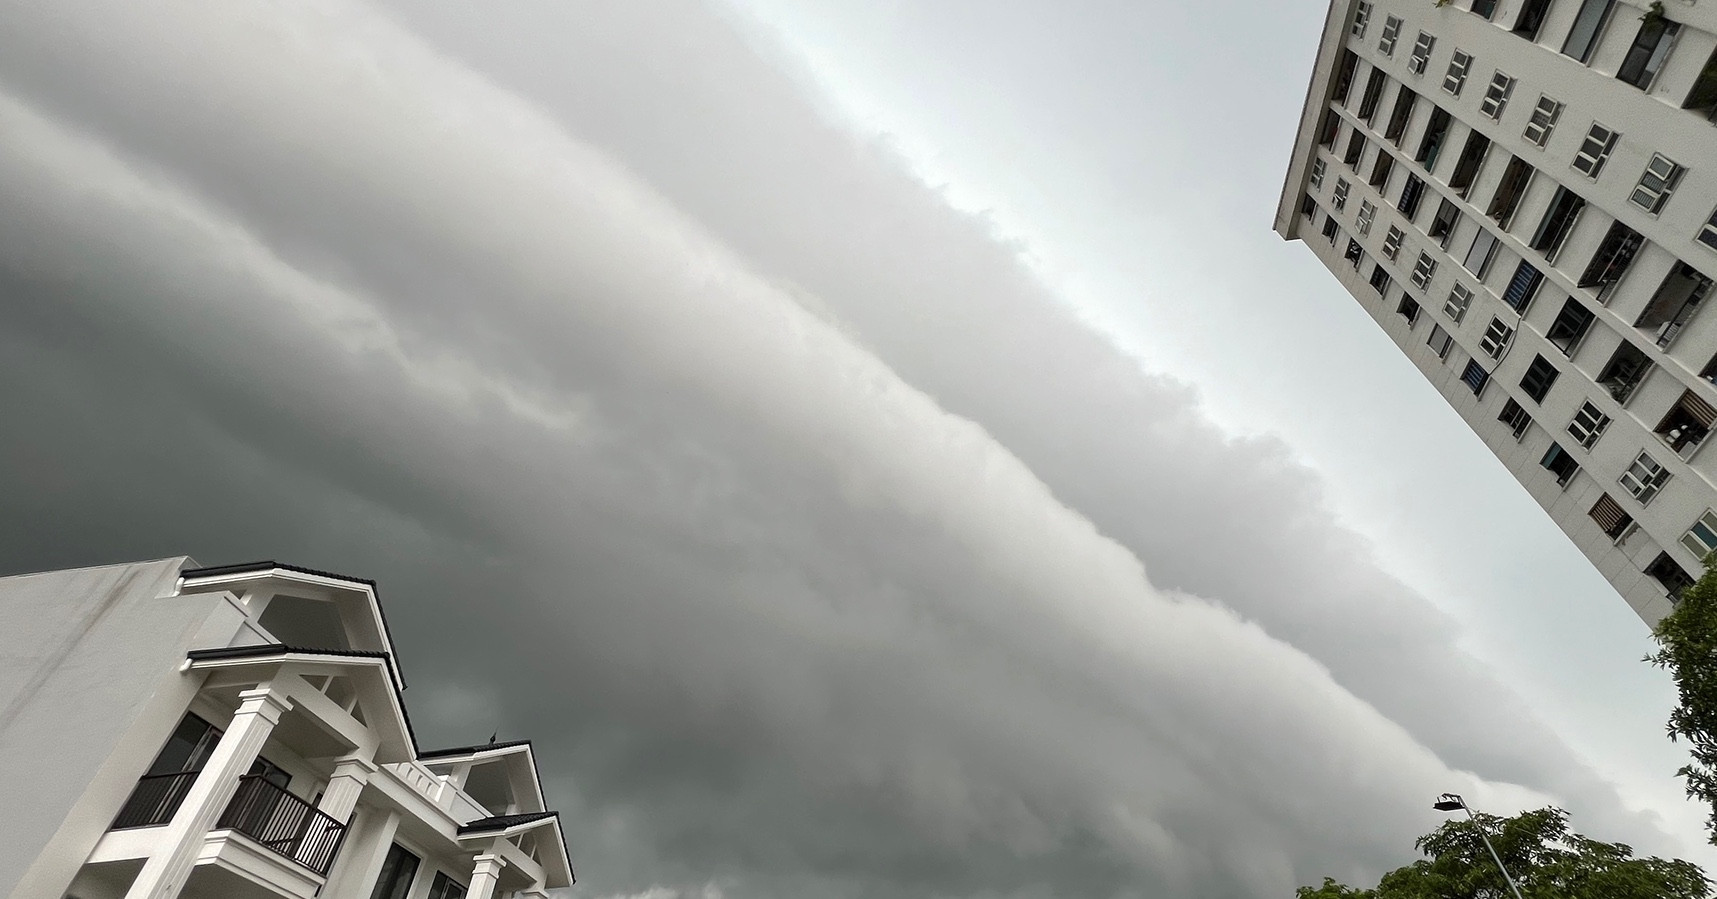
x: 238, y: 733
x: 1523, y: 195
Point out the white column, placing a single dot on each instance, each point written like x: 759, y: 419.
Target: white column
x: 164, y: 874
x: 350, y: 775
x: 485, y: 876
x: 367, y: 843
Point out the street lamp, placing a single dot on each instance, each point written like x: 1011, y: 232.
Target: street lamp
x: 1448, y: 802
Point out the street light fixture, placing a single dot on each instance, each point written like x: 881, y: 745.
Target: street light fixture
x: 1448, y: 802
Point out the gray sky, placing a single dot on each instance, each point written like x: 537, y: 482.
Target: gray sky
x: 875, y: 449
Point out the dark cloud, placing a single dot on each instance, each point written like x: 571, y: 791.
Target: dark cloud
x: 800, y: 523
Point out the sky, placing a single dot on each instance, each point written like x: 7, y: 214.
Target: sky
x: 872, y: 449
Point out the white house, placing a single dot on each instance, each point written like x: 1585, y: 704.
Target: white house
x: 236, y: 732
x: 1523, y: 195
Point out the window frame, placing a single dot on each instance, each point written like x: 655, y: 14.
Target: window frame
x: 1646, y: 484
x: 1455, y: 78
x: 1667, y: 173
x: 1459, y: 302
x: 1496, y: 95
x: 1543, y: 118
x: 1423, y: 271
x: 1595, y: 150
x: 1588, y: 425
x: 1390, y: 36
x: 1423, y: 46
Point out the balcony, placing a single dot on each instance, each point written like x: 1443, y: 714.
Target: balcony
x: 261, y: 810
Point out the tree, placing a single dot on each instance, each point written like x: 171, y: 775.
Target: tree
x: 1545, y: 858
x: 1687, y: 647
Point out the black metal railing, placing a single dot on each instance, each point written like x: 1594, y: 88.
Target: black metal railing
x: 155, y: 799
x: 284, y: 823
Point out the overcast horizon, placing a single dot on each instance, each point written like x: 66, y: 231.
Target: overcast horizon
x: 872, y: 450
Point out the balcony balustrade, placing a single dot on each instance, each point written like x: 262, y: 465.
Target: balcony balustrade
x: 260, y: 809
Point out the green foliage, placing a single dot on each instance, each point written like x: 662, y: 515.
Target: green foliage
x: 1547, y: 861
x: 1687, y: 647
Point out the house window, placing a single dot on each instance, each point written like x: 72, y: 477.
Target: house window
x: 445, y: 887
x: 1391, y: 33
x: 1539, y: 378
x: 1701, y: 539
x: 1344, y: 72
x: 1588, y: 25
x: 1467, y: 166
x: 1708, y: 234
x: 1380, y: 279
x: 1531, y: 18
x: 1509, y: 190
x: 1475, y: 377
x: 1408, y: 309
x: 1588, y: 425
x: 1673, y: 577
x: 1627, y: 367
x: 1480, y: 252
x: 399, y: 868
x: 1644, y: 478
x: 1611, y: 517
x: 1361, y: 18
x: 1392, y: 242
x: 1557, y: 461
x: 1367, y: 212
x: 1440, y: 341
x: 1570, y: 325
x: 1443, y: 223
x: 1329, y: 129
x: 1354, y: 252
x: 1496, y: 96
x: 1679, y: 296
x: 1702, y: 97
x: 1523, y: 286
x: 1331, y: 228
x: 1595, y: 150
x: 1658, y: 181
x: 1456, y: 78
x: 1612, y: 259
x: 1318, y: 169
x: 1423, y: 271
x: 1646, y: 55
x: 1411, y: 193
x: 1309, y: 207
x: 1436, y: 131
x: 1355, y: 149
x: 1496, y: 339
x: 1373, y: 95
x: 1405, y: 100
x: 1484, y: 9
x: 1686, y: 424
x: 1380, y: 171
x: 1558, y: 220
x: 1421, y: 53
x: 1515, y: 416
x: 1339, y: 198
x: 1460, y: 298
x: 1543, y: 120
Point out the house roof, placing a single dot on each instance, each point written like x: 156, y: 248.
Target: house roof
x: 442, y: 754
x: 503, y: 822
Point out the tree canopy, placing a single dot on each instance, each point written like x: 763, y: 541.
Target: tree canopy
x: 1687, y: 648
x: 1547, y: 860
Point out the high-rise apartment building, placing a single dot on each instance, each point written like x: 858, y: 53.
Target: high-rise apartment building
x: 1523, y: 195
x: 175, y: 732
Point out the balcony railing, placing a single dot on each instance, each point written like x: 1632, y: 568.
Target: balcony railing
x: 284, y: 823
x: 155, y: 799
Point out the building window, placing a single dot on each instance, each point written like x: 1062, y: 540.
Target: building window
x: 1611, y: 517
x: 1627, y: 367
x: 1380, y: 171
x: 1557, y: 461
x: 398, y: 871
x: 1373, y: 95
x: 1475, y: 377
x: 1701, y: 539
x: 1380, y: 279
x: 1467, y: 166
x: 1539, y: 378
x: 1686, y: 424
x: 1595, y: 150
x: 1456, y: 78
x: 1531, y: 19
x: 1391, y: 33
x: 1344, y: 72
x: 1329, y: 129
x: 1588, y: 425
x: 1484, y: 9
x: 1658, y: 181
x: 1570, y: 325
x: 1516, y: 417
x: 1480, y: 252
x: 1440, y: 341
x: 1339, y: 198
x: 1702, y: 97
x: 1362, y: 224
x: 1460, y: 298
x: 1679, y: 296
x: 1421, y: 53
x: 1708, y: 234
x: 1331, y: 228
x: 1673, y: 577
x: 1496, y: 339
x: 1612, y: 259
x: 1443, y: 223
x: 1354, y: 252
x: 1558, y: 221
x: 1543, y: 120
x: 1523, y: 286
x: 1588, y: 25
x: 1355, y: 149
x: 1509, y: 190
x: 1392, y: 242
x: 1309, y: 207
x: 1411, y: 193
x: 1318, y: 169
x: 1644, y: 478
x: 1496, y: 96
x: 1423, y: 271
x: 1648, y: 51
x: 445, y: 887
x: 1405, y: 100
x: 1436, y: 132
x: 1408, y: 309
x: 1361, y: 18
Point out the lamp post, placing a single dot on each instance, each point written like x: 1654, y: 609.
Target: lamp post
x: 1448, y: 802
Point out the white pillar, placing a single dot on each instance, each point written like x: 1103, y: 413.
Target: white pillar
x: 350, y: 775
x: 485, y: 876
x: 164, y: 874
x: 368, y: 838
